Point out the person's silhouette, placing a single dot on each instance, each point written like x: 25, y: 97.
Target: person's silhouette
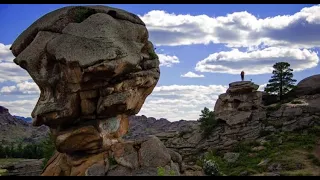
x: 242, y: 75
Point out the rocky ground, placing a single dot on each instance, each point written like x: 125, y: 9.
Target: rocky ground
x: 20, y: 167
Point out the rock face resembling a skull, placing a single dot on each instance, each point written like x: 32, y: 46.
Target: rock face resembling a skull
x: 94, y: 66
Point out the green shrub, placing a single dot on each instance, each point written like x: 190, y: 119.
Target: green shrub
x: 112, y: 161
x: 172, y: 173
x: 211, y: 168
x: 314, y: 159
x: 161, y: 171
x: 153, y: 55
x: 264, y: 133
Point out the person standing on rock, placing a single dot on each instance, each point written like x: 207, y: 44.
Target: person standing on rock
x: 242, y: 75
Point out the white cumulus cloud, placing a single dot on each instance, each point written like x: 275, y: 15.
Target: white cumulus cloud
x: 258, y: 61
x: 21, y: 88
x: 176, y: 102
x: 262, y: 86
x: 167, y: 60
x: 237, y: 29
x: 9, y: 71
x: 5, y: 53
x: 192, y: 75
x: 21, y: 107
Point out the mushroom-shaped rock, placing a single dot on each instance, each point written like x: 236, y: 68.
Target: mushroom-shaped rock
x: 95, y: 67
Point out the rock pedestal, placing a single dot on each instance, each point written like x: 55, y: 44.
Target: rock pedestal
x: 132, y: 158
x: 241, y: 103
x: 95, y: 67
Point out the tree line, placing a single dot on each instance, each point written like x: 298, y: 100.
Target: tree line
x: 44, y: 149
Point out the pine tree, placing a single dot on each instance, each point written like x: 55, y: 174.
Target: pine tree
x: 281, y: 81
x: 19, y: 150
x: 2, y: 152
x: 207, y: 121
x: 12, y: 151
x: 7, y: 151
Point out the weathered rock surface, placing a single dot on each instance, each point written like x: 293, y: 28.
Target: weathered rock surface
x: 308, y: 86
x: 240, y: 104
x: 241, y: 115
x: 85, y: 72
x: 141, y: 126
x: 132, y: 158
x: 95, y: 67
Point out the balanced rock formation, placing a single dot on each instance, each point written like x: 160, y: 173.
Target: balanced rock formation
x: 95, y: 67
x: 240, y: 103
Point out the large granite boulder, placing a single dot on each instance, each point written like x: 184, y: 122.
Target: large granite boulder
x: 95, y: 67
x: 308, y: 86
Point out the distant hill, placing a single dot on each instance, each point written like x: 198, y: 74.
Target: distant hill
x: 14, y: 130
x: 140, y: 126
x: 27, y: 119
x: 17, y: 128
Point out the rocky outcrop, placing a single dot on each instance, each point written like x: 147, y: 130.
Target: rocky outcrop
x: 95, y: 67
x: 240, y: 104
x: 242, y: 115
x: 141, y: 126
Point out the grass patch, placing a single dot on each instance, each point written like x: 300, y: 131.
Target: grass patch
x: 314, y: 159
x: 4, y: 161
x: 296, y: 102
x: 296, y: 173
x: 3, y: 172
x: 274, y: 107
x: 161, y: 171
x: 284, y: 152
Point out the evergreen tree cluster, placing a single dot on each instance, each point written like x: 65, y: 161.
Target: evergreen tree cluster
x: 44, y: 149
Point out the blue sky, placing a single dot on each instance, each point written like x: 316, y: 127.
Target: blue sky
x: 202, y: 48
